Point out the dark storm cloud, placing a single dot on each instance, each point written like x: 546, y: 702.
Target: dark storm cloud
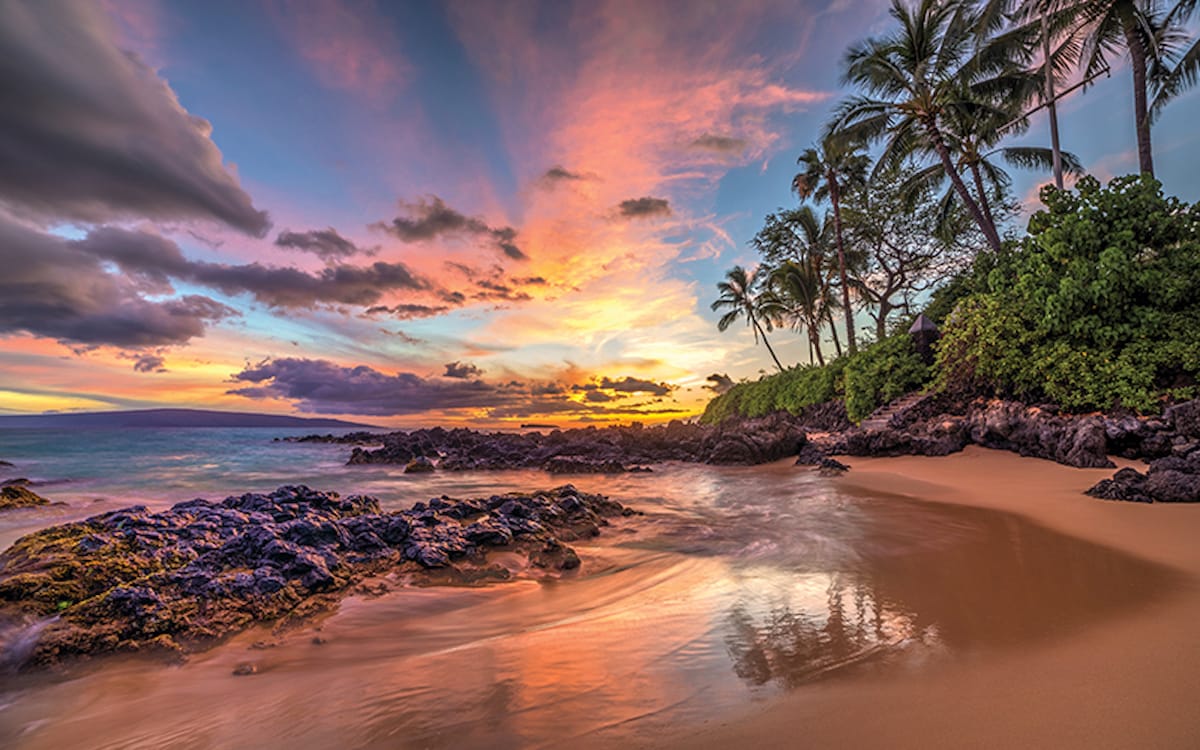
x: 324, y: 387
x: 721, y: 144
x: 642, y: 208
x: 324, y: 243
x: 53, y: 288
x: 153, y: 261
x: 464, y: 370
x: 293, y: 288
x: 634, y: 385
x: 430, y: 218
x: 409, y: 311
x: 149, y: 363
x: 560, y: 175
x: 491, y: 290
x: 89, y: 133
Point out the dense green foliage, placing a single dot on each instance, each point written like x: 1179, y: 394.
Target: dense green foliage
x: 882, y: 373
x: 866, y: 380
x: 791, y: 390
x: 1099, y: 306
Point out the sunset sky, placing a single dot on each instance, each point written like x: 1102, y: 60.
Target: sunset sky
x: 423, y: 212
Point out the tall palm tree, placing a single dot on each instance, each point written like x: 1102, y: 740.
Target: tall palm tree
x: 837, y: 164
x: 1152, y: 36
x: 738, y: 299
x: 1185, y: 72
x: 915, y: 76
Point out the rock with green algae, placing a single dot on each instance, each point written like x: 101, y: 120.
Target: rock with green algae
x: 19, y: 496
x: 176, y: 580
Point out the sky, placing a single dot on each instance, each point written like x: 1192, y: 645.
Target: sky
x: 421, y: 213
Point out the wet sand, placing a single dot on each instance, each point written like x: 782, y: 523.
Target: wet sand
x: 765, y: 604
x: 1129, y: 681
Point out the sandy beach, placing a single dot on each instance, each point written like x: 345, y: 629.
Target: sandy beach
x: 1127, y: 682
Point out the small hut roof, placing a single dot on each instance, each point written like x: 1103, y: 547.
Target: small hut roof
x: 921, y: 324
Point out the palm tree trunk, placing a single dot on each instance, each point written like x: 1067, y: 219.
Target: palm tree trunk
x: 989, y: 230
x: 837, y: 344
x: 837, y: 231
x: 1051, y: 105
x: 814, y: 342
x: 983, y: 201
x: 1137, y: 58
x: 763, y: 333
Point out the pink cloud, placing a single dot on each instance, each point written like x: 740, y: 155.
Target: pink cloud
x: 348, y: 45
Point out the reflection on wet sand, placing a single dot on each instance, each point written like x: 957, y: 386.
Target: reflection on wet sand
x: 1003, y: 582
x: 752, y: 583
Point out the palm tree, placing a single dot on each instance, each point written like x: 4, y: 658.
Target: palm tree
x: 797, y: 293
x: 1151, y: 36
x: 835, y: 165
x: 738, y: 299
x: 1186, y: 69
x: 917, y: 75
x: 798, y: 235
x: 972, y: 134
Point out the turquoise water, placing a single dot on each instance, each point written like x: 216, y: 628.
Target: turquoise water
x: 164, y: 464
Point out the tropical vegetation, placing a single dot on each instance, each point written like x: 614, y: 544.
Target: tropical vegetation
x: 904, y: 203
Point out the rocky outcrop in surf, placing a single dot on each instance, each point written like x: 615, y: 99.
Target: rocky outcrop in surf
x: 583, y: 451
x: 132, y: 580
x: 14, y: 494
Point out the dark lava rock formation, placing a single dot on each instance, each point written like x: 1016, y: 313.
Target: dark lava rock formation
x: 583, y: 451
x: 16, y: 495
x: 1168, y: 480
x: 132, y: 579
x: 939, y: 425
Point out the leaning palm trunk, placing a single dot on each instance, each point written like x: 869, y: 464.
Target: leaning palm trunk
x: 837, y: 343
x: 983, y: 201
x: 766, y: 343
x: 834, y: 198
x: 814, y: 340
x: 989, y: 230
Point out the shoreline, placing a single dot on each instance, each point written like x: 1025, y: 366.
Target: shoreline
x: 1124, y: 682
x: 1119, y: 682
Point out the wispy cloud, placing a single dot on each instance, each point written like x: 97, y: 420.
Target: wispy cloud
x: 348, y: 45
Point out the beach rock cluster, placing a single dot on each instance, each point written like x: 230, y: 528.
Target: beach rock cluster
x: 133, y: 579
x: 583, y: 451
x: 1172, y: 479
x: 939, y: 425
x: 14, y: 494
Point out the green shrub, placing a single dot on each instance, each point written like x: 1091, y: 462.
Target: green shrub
x: 791, y: 390
x: 1099, y: 306
x: 881, y: 373
x: 872, y: 377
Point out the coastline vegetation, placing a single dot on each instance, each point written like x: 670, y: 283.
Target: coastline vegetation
x: 1095, y: 307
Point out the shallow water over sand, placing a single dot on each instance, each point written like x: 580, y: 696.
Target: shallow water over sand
x: 739, y: 584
